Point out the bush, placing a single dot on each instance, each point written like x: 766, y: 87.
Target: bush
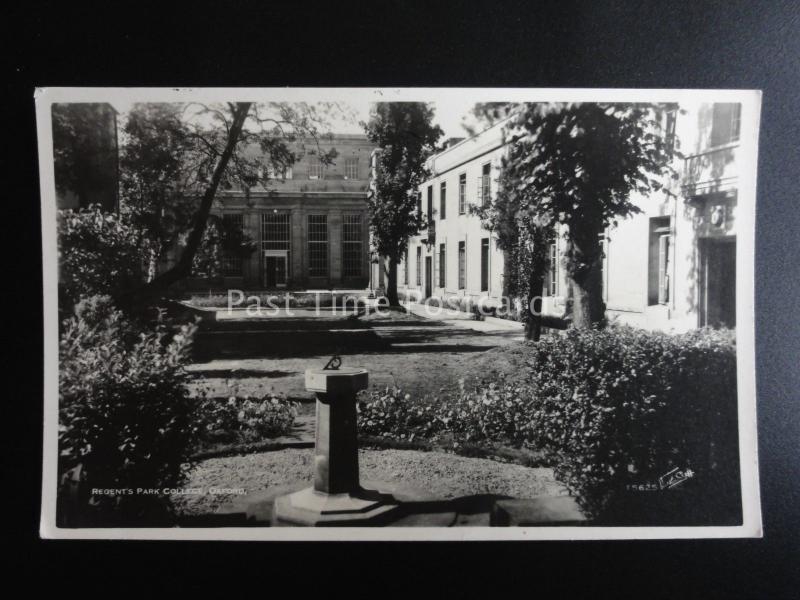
x: 621, y: 407
x: 390, y: 413
x: 614, y: 410
x: 98, y: 255
x: 244, y: 419
x: 125, y: 414
x: 495, y: 413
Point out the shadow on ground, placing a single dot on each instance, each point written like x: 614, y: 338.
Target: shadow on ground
x: 306, y: 337
x: 281, y: 338
x: 472, y: 510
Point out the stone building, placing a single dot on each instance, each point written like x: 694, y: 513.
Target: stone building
x: 671, y: 267
x: 309, y: 225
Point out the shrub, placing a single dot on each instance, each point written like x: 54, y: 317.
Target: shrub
x: 391, y: 413
x: 243, y: 419
x: 613, y: 409
x: 495, y: 413
x: 125, y: 414
x: 98, y: 255
x: 622, y: 407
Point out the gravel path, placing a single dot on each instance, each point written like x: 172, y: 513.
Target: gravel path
x: 443, y: 475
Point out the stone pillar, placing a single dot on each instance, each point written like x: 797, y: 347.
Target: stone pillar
x: 336, y: 496
x: 336, y: 449
x: 299, y: 273
x: 251, y: 269
x: 335, y: 248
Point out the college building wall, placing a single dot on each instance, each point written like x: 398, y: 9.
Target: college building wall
x: 334, y: 196
x: 670, y: 267
x: 468, y: 169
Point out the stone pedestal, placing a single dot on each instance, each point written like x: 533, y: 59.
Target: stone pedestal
x: 336, y: 496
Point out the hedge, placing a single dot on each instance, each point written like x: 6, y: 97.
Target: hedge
x: 125, y: 415
x: 615, y: 410
x: 127, y: 421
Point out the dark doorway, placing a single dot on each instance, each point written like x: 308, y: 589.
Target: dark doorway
x: 718, y: 278
x: 274, y: 271
x: 428, y: 276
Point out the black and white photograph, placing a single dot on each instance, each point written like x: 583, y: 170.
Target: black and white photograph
x: 398, y: 313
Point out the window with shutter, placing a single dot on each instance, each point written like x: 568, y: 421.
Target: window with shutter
x: 419, y: 265
x: 443, y: 201
x: 442, y: 264
x: 663, y: 268
x: 462, y: 265
x: 658, y: 276
x: 486, y: 188
x: 725, y: 123
x: 430, y: 202
x: 485, y: 265
x: 462, y: 193
x: 551, y: 278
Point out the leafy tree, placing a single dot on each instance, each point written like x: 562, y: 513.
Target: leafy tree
x: 98, y: 255
x: 405, y: 136
x: 158, y: 173
x: 183, y: 158
x: 486, y: 114
x: 579, y: 164
x: 523, y: 236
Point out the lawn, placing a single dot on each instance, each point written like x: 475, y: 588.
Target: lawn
x: 255, y: 356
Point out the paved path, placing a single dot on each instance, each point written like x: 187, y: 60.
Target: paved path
x: 468, y: 486
x: 465, y: 320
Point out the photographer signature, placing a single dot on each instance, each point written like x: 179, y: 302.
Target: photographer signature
x: 668, y: 480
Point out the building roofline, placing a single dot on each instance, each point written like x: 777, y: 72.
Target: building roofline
x: 472, y: 137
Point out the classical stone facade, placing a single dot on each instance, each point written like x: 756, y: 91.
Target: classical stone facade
x: 671, y: 267
x: 309, y: 225
x: 458, y: 257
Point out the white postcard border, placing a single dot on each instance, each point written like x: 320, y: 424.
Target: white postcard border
x: 745, y: 294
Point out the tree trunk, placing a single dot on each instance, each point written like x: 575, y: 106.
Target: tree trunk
x: 508, y: 266
x: 391, y: 282
x: 586, y: 282
x: 533, y: 324
x: 183, y: 268
x: 588, y: 308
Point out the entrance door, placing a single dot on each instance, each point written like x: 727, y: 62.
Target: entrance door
x: 718, y: 261
x: 428, y: 276
x: 274, y: 271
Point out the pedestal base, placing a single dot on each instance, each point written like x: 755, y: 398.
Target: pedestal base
x: 310, y: 508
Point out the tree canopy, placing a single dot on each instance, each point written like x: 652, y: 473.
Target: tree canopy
x: 174, y: 160
x: 405, y: 136
x: 181, y: 156
x: 580, y: 165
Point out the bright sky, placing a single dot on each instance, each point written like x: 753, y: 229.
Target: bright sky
x: 449, y: 114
